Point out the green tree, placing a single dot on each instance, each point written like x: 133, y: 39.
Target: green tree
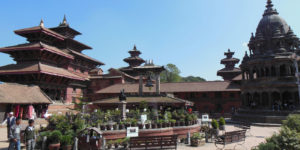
x: 293, y: 122
x: 192, y: 79
x: 171, y: 74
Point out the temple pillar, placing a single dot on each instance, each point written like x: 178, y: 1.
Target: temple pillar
x: 288, y: 69
x: 277, y: 70
x: 157, y: 78
x: 141, y: 85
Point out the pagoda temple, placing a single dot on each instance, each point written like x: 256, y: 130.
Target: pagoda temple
x: 269, y: 74
x: 230, y: 71
x: 51, y: 59
x: 134, y: 61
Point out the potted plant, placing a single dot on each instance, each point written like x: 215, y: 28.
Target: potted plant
x: 67, y: 142
x: 154, y: 125
x: 109, y: 144
x: 188, y: 120
x: 125, y: 141
x: 54, y: 140
x: 194, y: 118
x: 117, y: 143
x: 197, y: 140
x: 133, y: 122
x: 121, y: 125
x: 159, y: 123
x: 182, y: 122
x: 147, y: 124
x: 172, y: 121
x: 141, y: 126
x: 115, y: 126
x: 222, y: 123
x: 103, y: 127
x: 215, y: 125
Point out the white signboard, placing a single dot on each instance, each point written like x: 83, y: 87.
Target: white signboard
x: 143, y: 118
x: 205, y: 118
x: 132, y: 131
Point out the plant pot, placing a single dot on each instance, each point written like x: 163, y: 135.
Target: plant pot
x: 109, y: 127
x: 141, y: 126
x: 173, y: 124
x: 169, y: 124
x: 134, y: 125
x: 154, y: 125
x: 197, y: 142
x: 54, y: 146
x: 159, y: 125
x: 147, y: 126
x: 182, y: 123
x: 222, y: 127
x: 67, y: 147
x: 109, y: 146
x: 103, y: 127
x: 115, y: 126
x: 177, y: 124
x: 116, y: 146
x: 121, y: 126
x: 127, y: 125
x: 125, y: 146
x: 164, y: 125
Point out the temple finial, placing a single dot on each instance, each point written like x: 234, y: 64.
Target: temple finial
x: 42, y: 23
x: 134, y: 47
x: 228, y: 49
x: 64, y: 22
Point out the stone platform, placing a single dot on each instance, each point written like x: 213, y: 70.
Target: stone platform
x: 262, y: 116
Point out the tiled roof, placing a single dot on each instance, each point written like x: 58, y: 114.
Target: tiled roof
x: 37, y: 68
x: 12, y: 93
x: 208, y: 86
x: 152, y: 99
x: 37, y: 45
x: 40, y: 28
x: 85, y: 56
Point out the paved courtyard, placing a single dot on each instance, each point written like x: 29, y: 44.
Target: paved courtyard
x: 254, y: 137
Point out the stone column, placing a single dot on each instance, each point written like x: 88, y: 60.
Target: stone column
x: 141, y: 85
x: 157, y: 78
x: 122, y: 108
x: 288, y: 69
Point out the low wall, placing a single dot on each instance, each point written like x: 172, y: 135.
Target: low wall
x: 180, y: 131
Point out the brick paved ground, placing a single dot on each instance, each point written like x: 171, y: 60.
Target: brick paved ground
x: 256, y: 136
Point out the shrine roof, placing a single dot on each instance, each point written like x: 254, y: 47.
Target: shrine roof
x: 207, y: 86
x: 35, y: 67
x: 86, y: 57
x: 37, y: 45
x: 230, y: 70
x: 24, y: 31
x: 229, y: 59
x: 12, y: 93
x: 238, y: 77
x: 81, y: 45
x: 134, y: 58
x: 150, y: 99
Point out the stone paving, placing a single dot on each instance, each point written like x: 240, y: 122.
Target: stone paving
x: 254, y: 137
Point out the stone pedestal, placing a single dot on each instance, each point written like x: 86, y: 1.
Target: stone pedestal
x: 122, y: 108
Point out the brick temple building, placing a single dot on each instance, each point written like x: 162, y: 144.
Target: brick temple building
x: 210, y: 96
x: 51, y: 59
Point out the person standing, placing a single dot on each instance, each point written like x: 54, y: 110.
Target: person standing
x: 10, y: 121
x: 30, y: 135
x: 15, y: 136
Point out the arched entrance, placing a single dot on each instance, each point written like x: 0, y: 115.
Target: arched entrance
x: 265, y: 99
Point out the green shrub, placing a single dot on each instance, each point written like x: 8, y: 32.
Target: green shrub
x: 54, y: 137
x: 197, y: 136
x: 221, y: 121
x: 266, y: 146
x: 215, y: 124
x: 293, y: 122
x: 67, y: 140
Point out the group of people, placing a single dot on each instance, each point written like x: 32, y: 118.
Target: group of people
x: 14, y: 133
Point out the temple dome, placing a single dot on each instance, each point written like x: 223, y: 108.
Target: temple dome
x: 269, y: 24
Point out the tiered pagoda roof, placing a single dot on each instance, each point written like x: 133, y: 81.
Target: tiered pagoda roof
x: 134, y: 60
x: 230, y: 71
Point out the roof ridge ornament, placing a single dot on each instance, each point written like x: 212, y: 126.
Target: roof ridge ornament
x: 134, y: 47
x: 41, y: 23
x: 270, y: 10
x: 64, y: 22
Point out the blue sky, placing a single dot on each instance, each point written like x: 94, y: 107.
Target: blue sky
x: 192, y: 34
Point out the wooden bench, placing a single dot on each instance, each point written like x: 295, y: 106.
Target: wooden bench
x: 230, y: 137
x: 153, y: 142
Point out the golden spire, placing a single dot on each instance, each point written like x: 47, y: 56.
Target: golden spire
x: 42, y: 23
